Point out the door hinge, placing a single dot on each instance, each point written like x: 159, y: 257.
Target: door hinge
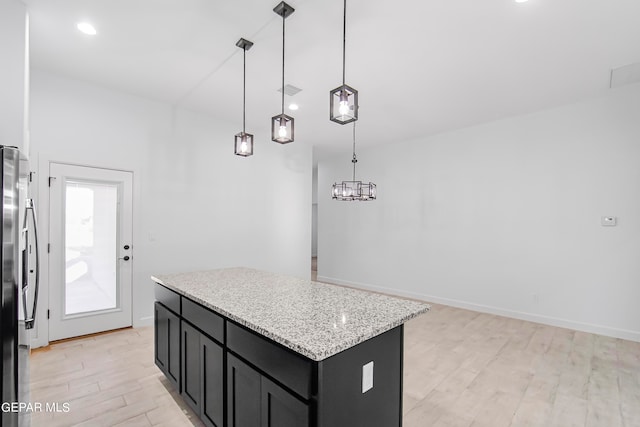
x: 31, y: 176
x: 48, y: 247
x: 51, y: 178
x: 48, y: 313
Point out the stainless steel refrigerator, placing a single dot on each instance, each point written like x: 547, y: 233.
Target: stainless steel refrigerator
x: 18, y: 296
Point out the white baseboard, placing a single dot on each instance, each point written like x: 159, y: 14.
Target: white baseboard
x: 537, y: 318
x: 143, y: 321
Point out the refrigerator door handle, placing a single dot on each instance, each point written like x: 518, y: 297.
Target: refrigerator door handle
x: 29, y: 320
x: 25, y: 270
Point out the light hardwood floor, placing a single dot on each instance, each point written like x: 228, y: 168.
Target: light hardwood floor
x: 462, y: 368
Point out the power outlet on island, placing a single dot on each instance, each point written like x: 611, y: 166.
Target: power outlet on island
x: 367, y: 377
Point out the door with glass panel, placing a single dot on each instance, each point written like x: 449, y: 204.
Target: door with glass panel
x: 90, y: 253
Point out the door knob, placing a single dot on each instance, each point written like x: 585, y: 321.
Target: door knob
x: 126, y: 258
x: 126, y: 247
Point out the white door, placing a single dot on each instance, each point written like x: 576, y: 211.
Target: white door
x: 90, y: 256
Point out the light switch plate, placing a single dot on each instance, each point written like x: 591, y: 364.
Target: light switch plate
x: 367, y: 377
x: 608, y: 221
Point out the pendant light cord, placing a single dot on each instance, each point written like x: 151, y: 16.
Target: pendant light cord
x: 354, y: 160
x: 283, y: 20
x: 344, y: 40
x: 244, y: 87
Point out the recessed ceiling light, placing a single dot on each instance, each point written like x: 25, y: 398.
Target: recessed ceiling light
x: 86, y: 28
x: 293, y: 107
x: 521, y: 1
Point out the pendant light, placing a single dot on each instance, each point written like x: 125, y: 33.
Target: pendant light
x: 244, y: 141
x: 343, y: 100
x: 354, y: 190
x: 282, y: 127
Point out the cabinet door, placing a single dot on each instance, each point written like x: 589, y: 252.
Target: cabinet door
x: 281, y: 409
x: 173, y: 326
x: 161, y: 337
x: 243, y: 394
x: 212, y: 382
x: 167, y: 343
x: 191, y: 366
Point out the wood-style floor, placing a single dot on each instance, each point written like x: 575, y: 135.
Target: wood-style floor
x: 462, y: 368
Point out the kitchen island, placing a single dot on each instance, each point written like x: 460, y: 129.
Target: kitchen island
x: 247, y: 348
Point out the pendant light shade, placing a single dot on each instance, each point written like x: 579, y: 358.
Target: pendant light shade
x: 282, y: 128
x: 344, y: 104
x: 354, y: 190
x: 343, y: 100
x: 243, y: 143
x: 282, y: 125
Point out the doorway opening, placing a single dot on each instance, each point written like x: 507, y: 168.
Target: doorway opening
x: 90, y: 217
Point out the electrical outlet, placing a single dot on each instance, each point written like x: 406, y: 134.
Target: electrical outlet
x: 367, y: 377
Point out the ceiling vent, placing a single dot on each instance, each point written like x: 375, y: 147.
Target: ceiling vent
x: 625, y: 75
x: 290, y: 90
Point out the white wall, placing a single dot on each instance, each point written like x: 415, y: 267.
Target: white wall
x: 502, y: 217
x: 196, y: 204
x: 13, y: 74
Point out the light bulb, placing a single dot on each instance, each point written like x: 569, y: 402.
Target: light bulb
x: 343, y: 108
x: 86, y: 28
x: 243, y: 146
x: 282, y: 132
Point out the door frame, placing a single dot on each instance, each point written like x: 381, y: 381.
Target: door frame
x: 61, y: 325
x: 39, y: 189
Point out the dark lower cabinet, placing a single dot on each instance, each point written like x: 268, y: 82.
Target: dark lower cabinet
x: 255, y: 401
x: 167, y: 340
x: 212, y: 382
x: 281, y: 409
x: 191, y: 366
x: 203, y: 375
x: 234, y: 377
x: 243, y: 394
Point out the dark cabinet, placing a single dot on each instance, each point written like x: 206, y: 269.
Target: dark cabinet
x: 243, y: 394
x: 212, y: 382
x: 255, y: 401
x: 202, y: 375
x: 234, y: 377
x: 282, y: 365
x: 281, y: 409
x: 191, y: 366
x: 167, y: 343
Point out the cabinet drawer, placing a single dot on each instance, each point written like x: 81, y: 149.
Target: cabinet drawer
x: 168, y: 298
x: 282, y: 364
x: 209, y: 322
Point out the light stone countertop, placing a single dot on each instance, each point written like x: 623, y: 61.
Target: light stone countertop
x: 314, y: 319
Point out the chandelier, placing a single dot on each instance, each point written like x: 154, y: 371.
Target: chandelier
x: 354, y: 190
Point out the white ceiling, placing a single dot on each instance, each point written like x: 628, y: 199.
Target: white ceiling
x: 421, y: 67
